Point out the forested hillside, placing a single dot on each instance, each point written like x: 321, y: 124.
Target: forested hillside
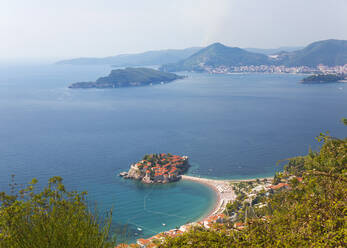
x: 311, y: 212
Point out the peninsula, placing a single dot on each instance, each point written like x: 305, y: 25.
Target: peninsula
x: 158, y: 168
x: 129, y: 77
x: 324, y: 78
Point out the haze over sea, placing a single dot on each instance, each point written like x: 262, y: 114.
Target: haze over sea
x: 231, y: 126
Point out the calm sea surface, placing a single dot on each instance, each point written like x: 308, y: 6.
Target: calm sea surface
x: 231, y: 126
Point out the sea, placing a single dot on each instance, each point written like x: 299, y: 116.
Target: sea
x: 235, y: 126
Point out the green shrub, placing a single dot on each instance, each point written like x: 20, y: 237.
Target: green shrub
x: 52, y: 218
x: 311, y: 214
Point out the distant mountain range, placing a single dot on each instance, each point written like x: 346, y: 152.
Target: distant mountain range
x: 140, y: 59
x: 326, y: 52
x: 158, y: 57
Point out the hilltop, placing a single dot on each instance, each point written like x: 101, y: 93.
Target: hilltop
x: 216, y: 55
x: 326, y: 52
x: 129, y: 77
x: 330, y: 52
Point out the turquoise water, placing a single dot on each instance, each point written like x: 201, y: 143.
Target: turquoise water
x: 231, y: 126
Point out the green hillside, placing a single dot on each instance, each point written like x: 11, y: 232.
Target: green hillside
x: 218, y: 55
x: 311, y: 212
x: 326, y: 52
x: 129, y: 77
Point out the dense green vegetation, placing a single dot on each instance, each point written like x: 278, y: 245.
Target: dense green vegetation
x: 244, y: 207
x: 53, y: 218
x: 323, y: 78
x: 312, y: 213
x: 129, y: 77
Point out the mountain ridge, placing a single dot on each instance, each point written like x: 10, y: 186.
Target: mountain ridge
x: 218, y: 54
x: 330, y: 52
x: 153, y: 57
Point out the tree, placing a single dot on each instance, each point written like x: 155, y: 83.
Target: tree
x: 311, y: 214
x: 52, y: 218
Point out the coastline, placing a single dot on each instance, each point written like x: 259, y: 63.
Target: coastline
x: 223, y: 193
x: 223, y: 190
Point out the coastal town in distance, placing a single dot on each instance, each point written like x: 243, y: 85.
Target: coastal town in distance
x: 173, y: 124
x: 319, y: 69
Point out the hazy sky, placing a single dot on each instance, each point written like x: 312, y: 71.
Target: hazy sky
x: 80, y: 28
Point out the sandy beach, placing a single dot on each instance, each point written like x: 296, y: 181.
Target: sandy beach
x: 223, y: 190
x: 225, y: 194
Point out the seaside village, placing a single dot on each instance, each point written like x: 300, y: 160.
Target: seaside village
x: 238, y: 201
x: 158, y: 168
x: 320, y: 69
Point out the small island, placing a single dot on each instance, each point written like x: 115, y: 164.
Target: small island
x: 324, y: 78
x: 158, y: 168
x: 129, y: 77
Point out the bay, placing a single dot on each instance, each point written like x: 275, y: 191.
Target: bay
x: 230, y: 126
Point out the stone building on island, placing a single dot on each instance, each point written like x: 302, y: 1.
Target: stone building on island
x: 158, y: 168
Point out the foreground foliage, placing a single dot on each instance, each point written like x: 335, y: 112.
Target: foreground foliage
x: 51, y: 218
x: 311, y: 214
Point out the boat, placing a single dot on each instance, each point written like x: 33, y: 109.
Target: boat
x: 164, y: 224
x: 140, y: 229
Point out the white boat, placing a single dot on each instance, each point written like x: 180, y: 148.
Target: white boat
x: 140, y: 229
x: 164, y: 224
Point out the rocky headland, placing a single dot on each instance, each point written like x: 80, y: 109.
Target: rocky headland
x: 129, y: 77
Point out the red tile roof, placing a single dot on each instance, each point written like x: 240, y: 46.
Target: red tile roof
x: 143, y: 241
x: 279, y: 186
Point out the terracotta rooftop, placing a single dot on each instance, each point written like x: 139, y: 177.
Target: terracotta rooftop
x: 279, y: 186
